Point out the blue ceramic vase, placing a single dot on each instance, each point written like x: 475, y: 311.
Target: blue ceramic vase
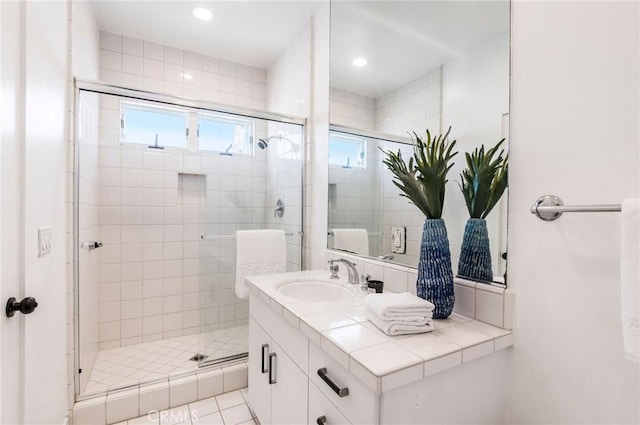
x: 475, y: 255
x: 435, y: 277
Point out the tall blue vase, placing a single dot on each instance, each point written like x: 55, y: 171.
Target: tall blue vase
x: 435, y: 277
x: 475, y: 255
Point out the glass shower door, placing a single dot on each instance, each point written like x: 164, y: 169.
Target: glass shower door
x: 240, y: 191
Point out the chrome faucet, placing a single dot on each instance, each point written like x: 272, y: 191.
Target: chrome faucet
x: 351, y: 268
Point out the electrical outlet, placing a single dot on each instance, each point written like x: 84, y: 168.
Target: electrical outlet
x: 44, y: 241
x: 398, y: 239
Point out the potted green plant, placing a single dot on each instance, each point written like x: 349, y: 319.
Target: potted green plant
x: 483, y: 183
x: 423, y: 182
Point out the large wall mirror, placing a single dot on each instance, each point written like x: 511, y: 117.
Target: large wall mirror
x: 399, y: 67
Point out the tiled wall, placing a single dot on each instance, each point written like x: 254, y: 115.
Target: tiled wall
x: 154, y: 207
x: 150, y: 265
x: 353, y: 200
x: 163, y: 69
x: 489, y: 303
x: 414, y: 106
x: 352, y: 109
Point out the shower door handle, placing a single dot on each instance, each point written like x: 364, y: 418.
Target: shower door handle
x: 265, y: 349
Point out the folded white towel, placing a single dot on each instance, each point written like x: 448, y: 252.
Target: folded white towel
x: 399, y: 327
x: 259, y: 252
x: 630, y: 277
x: 352, y: 240
x: 403, y: 307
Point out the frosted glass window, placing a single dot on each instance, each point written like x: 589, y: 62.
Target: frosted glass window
x: 146, y: 124
x: 347, y: 151
x: 225, y: 134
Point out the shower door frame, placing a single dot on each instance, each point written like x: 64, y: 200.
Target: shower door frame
x: 81, y: 85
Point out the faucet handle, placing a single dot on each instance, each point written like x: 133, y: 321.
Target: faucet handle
x: 334, y: 269
x: 364, y: 277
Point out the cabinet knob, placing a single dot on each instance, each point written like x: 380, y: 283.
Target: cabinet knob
x: 321, y: 420
x: 26, y: 306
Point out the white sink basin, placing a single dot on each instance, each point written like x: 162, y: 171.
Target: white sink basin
x: 315, y: 291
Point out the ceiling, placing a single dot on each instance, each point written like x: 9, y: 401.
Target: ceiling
x: 401, y: 40
x: 248, y: 32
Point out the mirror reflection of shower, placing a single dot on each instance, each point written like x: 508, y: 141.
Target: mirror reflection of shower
x: 264, y: 144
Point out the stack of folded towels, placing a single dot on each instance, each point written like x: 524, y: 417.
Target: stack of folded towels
x: 399, y: 314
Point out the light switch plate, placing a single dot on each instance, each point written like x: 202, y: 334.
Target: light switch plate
x: 398, y: 239
x: 44, y: 241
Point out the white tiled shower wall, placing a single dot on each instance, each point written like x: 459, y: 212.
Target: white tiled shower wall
x: 352, y: 109
x: 150, y: 66
x: 353, y: 201
x: 150, y: 269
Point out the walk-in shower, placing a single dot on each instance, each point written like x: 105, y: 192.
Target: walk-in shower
x: 161, y: 186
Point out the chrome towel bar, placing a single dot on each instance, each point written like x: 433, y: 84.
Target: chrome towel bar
x: 330, y: 233
x: 550, y: 207
x: 233, y: 237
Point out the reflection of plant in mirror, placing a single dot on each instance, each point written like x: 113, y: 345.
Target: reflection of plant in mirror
x: 423, y: 180
x: 484, y: 180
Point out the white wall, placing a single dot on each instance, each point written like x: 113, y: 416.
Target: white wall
x: 575, y: 133
x: 475, y: 95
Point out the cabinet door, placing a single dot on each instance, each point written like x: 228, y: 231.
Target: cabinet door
x: 259, y: 388
x: 289, y: 392
x: 321, y: 411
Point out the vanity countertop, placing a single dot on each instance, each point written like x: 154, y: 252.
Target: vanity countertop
x: 340, y: 328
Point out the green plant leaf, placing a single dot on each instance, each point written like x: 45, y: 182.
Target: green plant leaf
x: 423, y: 180
x: 484, y: 180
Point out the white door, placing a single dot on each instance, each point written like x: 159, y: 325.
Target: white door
x: 11, y: 335
x: 34, y: 48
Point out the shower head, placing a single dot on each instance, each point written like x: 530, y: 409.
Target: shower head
x: 264, y: 143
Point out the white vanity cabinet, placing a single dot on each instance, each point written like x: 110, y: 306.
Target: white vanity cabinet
x: 456, y: 374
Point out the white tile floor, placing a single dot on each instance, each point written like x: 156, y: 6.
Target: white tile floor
x: 226, y: 409
x: 135, y: 364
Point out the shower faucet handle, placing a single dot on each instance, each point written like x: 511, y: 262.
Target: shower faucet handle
x: 279, y: 209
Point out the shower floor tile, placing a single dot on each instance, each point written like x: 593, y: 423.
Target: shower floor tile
x: 132, y: 365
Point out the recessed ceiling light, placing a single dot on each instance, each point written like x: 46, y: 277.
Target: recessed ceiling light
x: 359, y: 62
x: 186, y: 76
x: 202, y: 13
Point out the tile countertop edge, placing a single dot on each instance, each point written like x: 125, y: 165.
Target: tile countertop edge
x: 485, y: 335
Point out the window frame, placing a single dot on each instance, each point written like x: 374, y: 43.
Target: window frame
x: 192, y: 121
x: 154, y: 107
x: 203, y: 115
x: 348, y: 138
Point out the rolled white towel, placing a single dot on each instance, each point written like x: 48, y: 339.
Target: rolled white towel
x: 399, y: 327
x: 403, y: 307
